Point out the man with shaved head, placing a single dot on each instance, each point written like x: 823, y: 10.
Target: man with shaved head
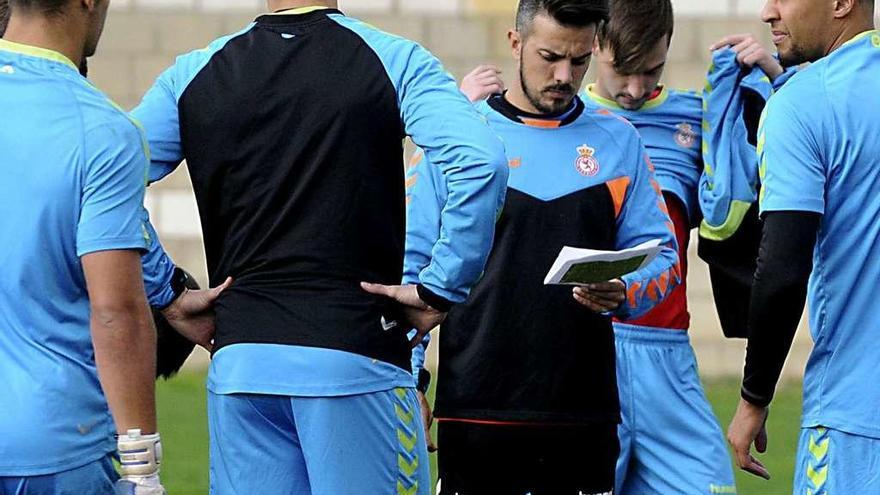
x: 820, y: 169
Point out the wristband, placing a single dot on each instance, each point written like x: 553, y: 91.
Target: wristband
x: 441, y: 304
x: 139, y: 455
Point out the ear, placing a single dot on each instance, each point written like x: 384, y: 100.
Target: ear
x: 843, y: 8
x: 516, y: 43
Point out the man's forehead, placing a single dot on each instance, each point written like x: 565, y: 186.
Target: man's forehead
x: 550, y: 35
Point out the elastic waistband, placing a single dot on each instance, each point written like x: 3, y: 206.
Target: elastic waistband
x: 636, y: 333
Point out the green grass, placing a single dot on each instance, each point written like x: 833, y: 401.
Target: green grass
x: 184, y: 428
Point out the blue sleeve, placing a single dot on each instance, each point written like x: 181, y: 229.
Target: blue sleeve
x: 418, y: 354
x: 112, y: 190
x: 791, y: 164
x: 425, y: 198
x: 158, y: 113
x: 455, y: 140
x: 644, y: 217
x: 157, y: 267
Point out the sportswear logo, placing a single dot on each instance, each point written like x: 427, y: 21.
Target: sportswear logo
x: 586, y: 163
x: 685, y: 136
x: 84, y: 429
x: 514, y: 162
x: 7, y: 69
x: 387, y: 325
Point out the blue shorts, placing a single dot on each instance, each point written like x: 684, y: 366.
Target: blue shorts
x: 670, y: 441
x: 831, y: 461
x: 95, y: 478
x: 282, y: 445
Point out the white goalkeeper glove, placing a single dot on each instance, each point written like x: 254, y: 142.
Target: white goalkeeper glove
x: 140, y: 457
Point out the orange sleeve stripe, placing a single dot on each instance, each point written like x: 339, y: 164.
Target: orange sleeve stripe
x: 663, y: 207
x: 416, y: 159
x: 411, y: 181
x: 653, y: 291
x: 663, y: 282
x: 649, y: 163
x: 617, y: 188
x: 657, y: 189
x: 632, y: 294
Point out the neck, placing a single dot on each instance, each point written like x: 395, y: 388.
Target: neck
x: 600, y: 90
x: 517, y: 97
x: 276, y: 5
x: 851, y: 30
x: 40, y: 31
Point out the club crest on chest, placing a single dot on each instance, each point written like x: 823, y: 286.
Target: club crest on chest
x: 586, y: 162
x: 685, y: 136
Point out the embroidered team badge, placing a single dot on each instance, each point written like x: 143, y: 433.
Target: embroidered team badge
x: 685, y: 136
x: 586, y: 163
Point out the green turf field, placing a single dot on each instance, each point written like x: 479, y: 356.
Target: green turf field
x: 185, y: 435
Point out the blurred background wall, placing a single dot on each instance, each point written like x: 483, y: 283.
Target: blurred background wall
x: 142, y: 38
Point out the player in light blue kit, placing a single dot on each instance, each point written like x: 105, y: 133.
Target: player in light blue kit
x: 820, y: 162
x: 670, y: 438
x: 74, y: 228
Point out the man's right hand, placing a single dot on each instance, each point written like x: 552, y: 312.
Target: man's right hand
x: 482, y: 82
x: 748, y: 427
x: 420, y: 315
x: 192, y: 314
x: 750, y: 52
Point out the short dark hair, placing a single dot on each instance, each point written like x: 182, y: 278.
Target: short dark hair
x: 574, y: 13
x: 48, y: 7
x: 4, y: 16
x: 633, y: 28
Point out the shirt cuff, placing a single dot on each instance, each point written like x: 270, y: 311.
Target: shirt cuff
x: 754, y: 399
x: 431, y: 299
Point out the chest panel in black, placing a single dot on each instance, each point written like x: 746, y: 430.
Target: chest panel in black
x: 518, y: 350
x: 293, y: 139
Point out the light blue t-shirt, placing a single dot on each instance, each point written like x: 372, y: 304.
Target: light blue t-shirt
x: 73, y: 169
x: 819, y: 149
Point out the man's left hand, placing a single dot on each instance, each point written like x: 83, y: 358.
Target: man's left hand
x: 422, y: 317
x: 748, y: 426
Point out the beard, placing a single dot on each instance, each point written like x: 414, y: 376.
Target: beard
x: 798, y: 55
x: 534, y: 95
